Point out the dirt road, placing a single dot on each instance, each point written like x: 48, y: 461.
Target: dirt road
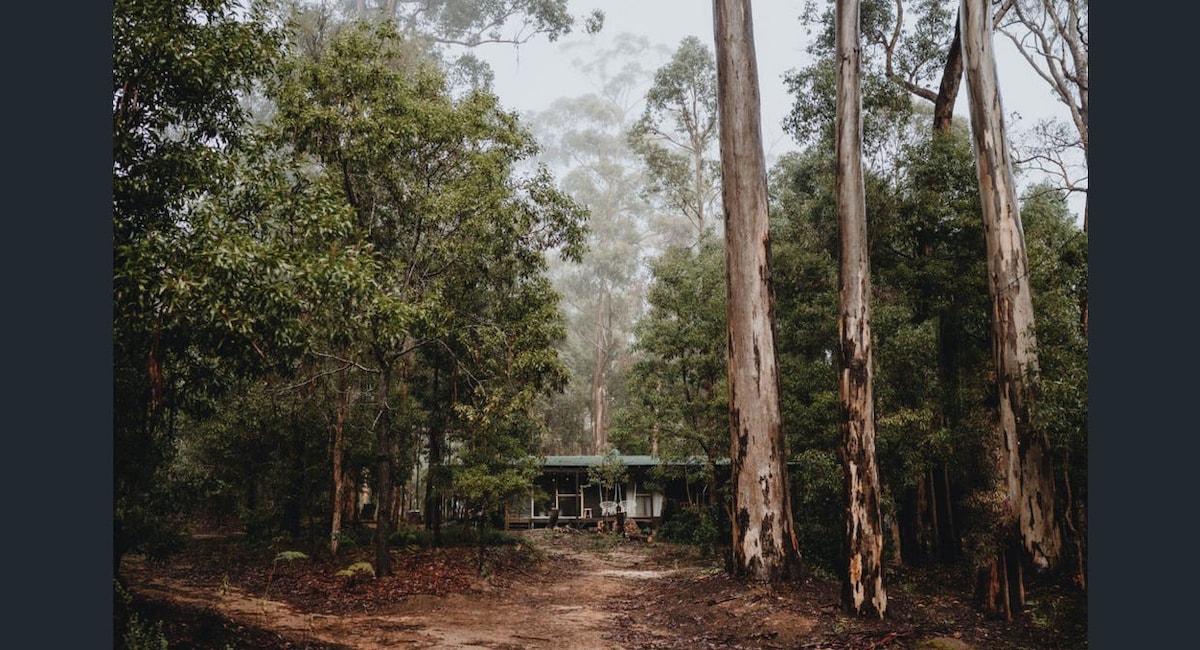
x: 566, y: 605
x: 562, y: 590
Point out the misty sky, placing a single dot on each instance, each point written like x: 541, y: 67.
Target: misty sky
x: 532, y: 76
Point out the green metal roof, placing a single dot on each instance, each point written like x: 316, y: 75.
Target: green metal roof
x: 629, y: 461
x: 593, y: 461
x: 635, y: 461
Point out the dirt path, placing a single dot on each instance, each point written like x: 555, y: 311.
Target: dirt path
x: 577, y: 591
x: 566, y: 607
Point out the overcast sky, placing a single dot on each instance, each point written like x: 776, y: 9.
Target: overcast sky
x: 532, y: 76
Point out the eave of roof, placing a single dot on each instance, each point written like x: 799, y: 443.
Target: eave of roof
x: 629, y: 461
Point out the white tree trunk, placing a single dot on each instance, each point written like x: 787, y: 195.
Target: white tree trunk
x: 764, y: 543
x: 600, y: 371
x: 863, y: 587
x: 1025, y: 456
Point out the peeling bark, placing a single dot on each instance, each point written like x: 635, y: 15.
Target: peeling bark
x: 764, y: 542
x: 1025, y: 458
x: 863, y: 592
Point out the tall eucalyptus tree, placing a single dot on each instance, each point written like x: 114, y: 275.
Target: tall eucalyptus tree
x: 585, y: 139
x: 1052, y: 36
x: 863, y: 589
x: 677, y: 134
x: 1024, y: 456
x: 764, y: 543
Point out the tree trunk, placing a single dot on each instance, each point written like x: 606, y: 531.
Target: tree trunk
x: 1024, y: 450
x: 383, y: 456
x: 1080, y: 577
x: 892, y: 523
x: 998, y: 585
x: 350, y: 499
x: 934, y: 524
x: 433, y: 480
x: 599, y: 372
x: 952, y: 71
x: 952, y: 546
x: 862, y: 589
x: 764, y: 542
x: 339, y: 488
x: 338, y: 451
x: 923, y: 536
x: 698, y: 182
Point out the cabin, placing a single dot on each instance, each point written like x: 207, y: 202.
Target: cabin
x: 566, y: 492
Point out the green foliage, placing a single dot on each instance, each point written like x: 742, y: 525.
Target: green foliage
x: 261, y: 456
x: 453, y: 535
x: 679, y: 374
x: 379, y: 124
x: 585, y: 140
x: 289, y: 556
x: 818, y: 507
x: 404, y: 537
x: 363, y: 568
x: 255, y: 304
x: 138, y: 634
x: 703, y: 527
x: 178, y: 72
x: 141, y: 635
x: 486, y: 488
x: 1058, y: 266
x: 811, y: 120
x: 676, y: 136
x: 460, y: 317
x: 898, y: 63
x: 804, y: 254
x: 609, y: 474
x: 982, y: 509
x: 678, y: 529
x: 471, y: 23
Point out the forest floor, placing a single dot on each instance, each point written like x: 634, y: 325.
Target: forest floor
x: 565, y: 590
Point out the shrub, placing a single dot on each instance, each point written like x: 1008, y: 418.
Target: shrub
x: 453, y: 534
x: 679, y: 526
x: 406, y: 537
x: 817, y: 505
x: 139, y: 634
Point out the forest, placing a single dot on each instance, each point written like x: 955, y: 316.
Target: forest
x: 357, y: 300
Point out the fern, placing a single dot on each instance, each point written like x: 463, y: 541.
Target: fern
x: 283, y: 556
x: 357, y: 567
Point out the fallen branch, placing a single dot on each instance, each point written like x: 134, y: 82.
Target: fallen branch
x: 887, y: 638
